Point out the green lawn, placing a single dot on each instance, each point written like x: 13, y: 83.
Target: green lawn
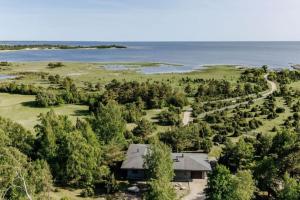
x: 18, y: 108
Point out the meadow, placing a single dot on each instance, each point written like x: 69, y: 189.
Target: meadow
x: 19, y: 107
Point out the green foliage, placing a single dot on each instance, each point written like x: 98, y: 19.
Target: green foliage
x: 170, y: 117
x: 14, y: 88
x: 178, y: 100
x: 192, y: 137
x: 243, y: 185
x: 291, y: 189
x: 144, y: 128
x: 238, y: 156
x: 47, y: 99
x: 21, y: 179
x: 14, y: 135
x: 55, y: 65
x: 74, y: 153
x: 4, y: 64
x: 266, y: 174
x: 220, y: 185
x: 159, y: 165
x: 224, y: 186
x: 109, y: 124
x: 132, y: 113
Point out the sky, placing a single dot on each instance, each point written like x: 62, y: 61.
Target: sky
x: 150, y: 20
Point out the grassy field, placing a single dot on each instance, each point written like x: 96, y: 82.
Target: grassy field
x: 295, y: 85
x: 18, y: 108
x: 269, y: 124
x: 97, y: 73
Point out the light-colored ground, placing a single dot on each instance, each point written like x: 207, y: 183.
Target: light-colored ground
x: 187, y: 116
x: 196, y: 190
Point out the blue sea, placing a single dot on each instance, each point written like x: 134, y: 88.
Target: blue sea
x: 192, y: 55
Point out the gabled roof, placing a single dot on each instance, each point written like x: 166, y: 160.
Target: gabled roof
x: 182, y: 161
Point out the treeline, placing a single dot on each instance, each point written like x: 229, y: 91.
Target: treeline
x: 146, y: 94
x: 15, y: 88
x: 223, y: 89
x: 49, y: 46
x: 55, y: 65
x: 4, y: 64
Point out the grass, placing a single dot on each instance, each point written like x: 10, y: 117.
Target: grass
x: 96, y: 72
x: 295, y: 85
x: 269, y: 124
x: 18, y: 108
x: 151, y: 115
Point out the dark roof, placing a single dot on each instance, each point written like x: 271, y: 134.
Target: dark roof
x: 182, y: 161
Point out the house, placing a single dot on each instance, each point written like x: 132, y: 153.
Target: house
x: 187, y: 166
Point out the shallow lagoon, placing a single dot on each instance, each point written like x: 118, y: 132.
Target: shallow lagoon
x: 192, y: 55
x: 4, y: 77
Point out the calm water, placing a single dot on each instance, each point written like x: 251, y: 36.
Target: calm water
x: 4, y: 77
x: 190, y: 54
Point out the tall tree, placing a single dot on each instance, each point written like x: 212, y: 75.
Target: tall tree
x: 238, y: 156
x: 291, y: 189
x: 159, y: 165
x: 243, y: 185
x: 20, y: 179
x: 220, y: 184
x: 109, y: 124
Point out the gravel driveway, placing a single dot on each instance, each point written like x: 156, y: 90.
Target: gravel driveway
x: 196, y: 190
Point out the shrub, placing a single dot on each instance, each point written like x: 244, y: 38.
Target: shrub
x: 280, y: 110
x: 55, y: 65
x: 46, y: 99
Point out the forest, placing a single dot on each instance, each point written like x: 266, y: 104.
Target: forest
x: 230, y: 117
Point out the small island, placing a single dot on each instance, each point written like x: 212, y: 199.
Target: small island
x: 53, y: 47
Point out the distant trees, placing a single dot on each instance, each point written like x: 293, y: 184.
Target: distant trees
x: 54, y: 79
x: 55, y: 65
x: 159, y: 165
x: 4, y: 64
x: 15, y: 88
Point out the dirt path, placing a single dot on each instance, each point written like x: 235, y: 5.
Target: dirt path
x: 187, y: 116
x: 188, y: 113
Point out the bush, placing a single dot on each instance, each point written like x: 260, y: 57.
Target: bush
x: 87, y: 192
x: 280, y: 110
x: 168, y: 118
x: 46, y: 99
x: 55, y: 65
x: 4, y: 64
